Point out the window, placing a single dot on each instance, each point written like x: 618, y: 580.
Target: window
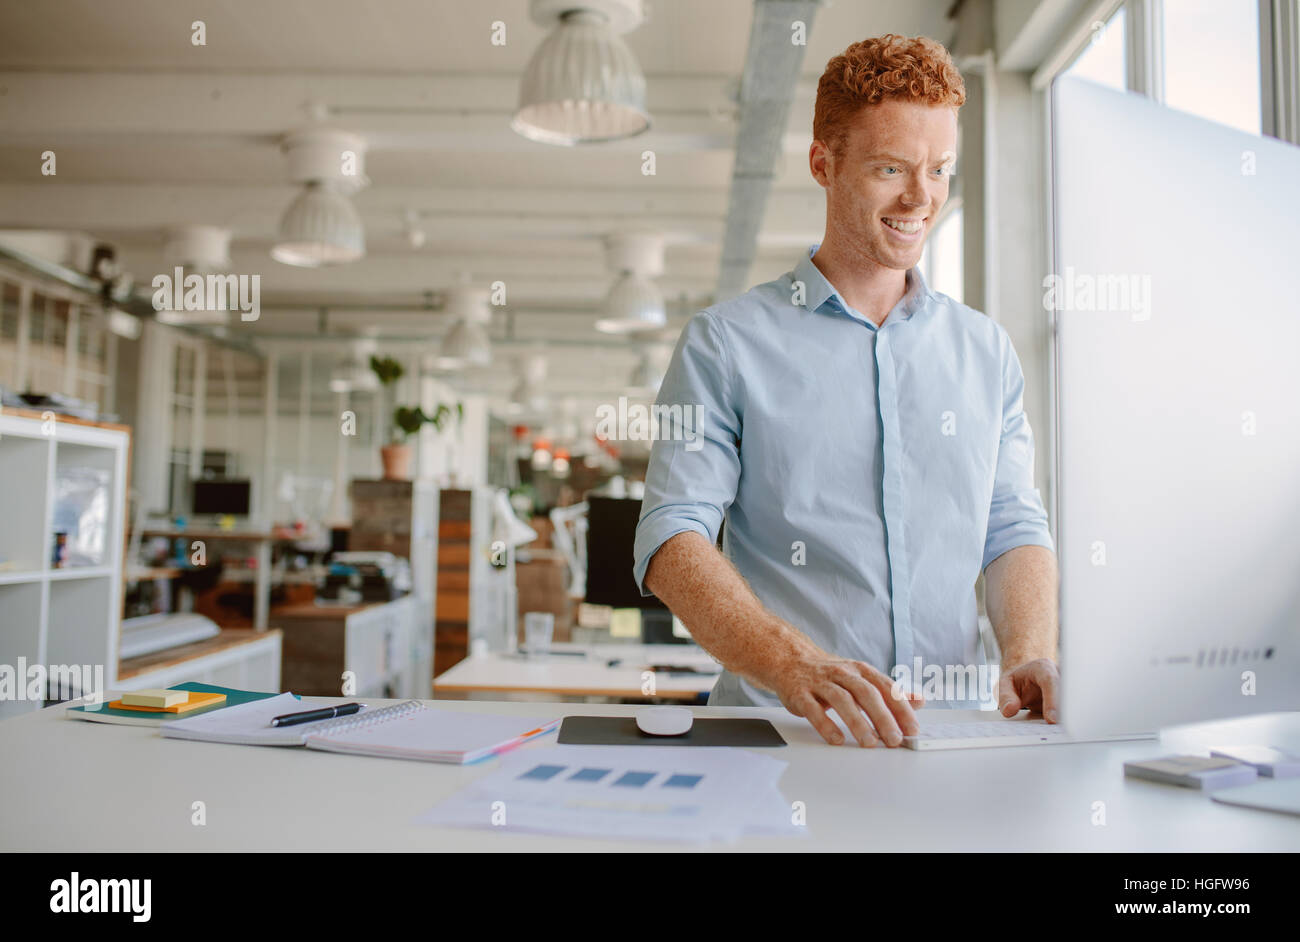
x: 233, y: 423
x: 54, y: 345
x: 91, y: 382
x: 47, y: 351
x: 1102, y: 60
x: 310, y: 442
x: 941, y: 260
x: 1212, y: 64
x: 187, y: 422
x: 9, y: 335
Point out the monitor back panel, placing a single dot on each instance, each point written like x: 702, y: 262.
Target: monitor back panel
x: 1177, y: 313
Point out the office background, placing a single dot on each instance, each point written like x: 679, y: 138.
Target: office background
x: 481, y: 263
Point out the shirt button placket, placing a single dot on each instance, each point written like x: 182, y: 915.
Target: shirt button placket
x: 894, y: 501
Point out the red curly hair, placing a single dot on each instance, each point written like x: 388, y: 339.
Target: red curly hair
x: 887, y: 67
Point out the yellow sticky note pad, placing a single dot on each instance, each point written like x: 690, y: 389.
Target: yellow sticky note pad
x: 195, y: 701
x: 158, y: 699
x: 625, y: 623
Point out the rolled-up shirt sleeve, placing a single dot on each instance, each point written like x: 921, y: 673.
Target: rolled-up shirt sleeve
x: 695, y: 464
x: 1016, y: 514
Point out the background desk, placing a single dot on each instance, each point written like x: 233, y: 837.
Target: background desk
x: 261, y: 540
x: 1025, y: 799
x: 583, y: 677
x: 387, y: 646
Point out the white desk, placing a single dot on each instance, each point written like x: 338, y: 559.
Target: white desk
x: 62, y: 789
x: 588, y: 676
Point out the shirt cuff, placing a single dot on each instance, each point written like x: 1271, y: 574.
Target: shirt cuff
x: 653, y: 533
x: 1030, y: 533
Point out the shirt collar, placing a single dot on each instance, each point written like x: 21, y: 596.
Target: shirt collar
x: 818, y: 290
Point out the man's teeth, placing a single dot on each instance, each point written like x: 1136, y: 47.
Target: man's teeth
x: 908, y: 225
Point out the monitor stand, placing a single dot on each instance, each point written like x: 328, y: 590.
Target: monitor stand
x: 657, y: 627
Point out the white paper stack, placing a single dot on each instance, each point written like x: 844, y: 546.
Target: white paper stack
x: 654, y: 793
x: 409, y: 730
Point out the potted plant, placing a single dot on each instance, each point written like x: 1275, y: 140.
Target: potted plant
x: 406, y: 422
x: 396, y: 454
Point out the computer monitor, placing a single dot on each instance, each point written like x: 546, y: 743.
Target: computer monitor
x: 611, y: 532
x: 1178, y: 414
x: 221, y: 496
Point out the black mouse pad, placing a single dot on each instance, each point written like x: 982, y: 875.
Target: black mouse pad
x: 623, y: 731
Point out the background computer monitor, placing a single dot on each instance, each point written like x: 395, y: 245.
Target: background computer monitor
x: 1178, y: 437
x: 611, y: 532
x: 221, y: 496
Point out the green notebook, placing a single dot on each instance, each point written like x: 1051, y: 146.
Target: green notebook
x: 106, y: 714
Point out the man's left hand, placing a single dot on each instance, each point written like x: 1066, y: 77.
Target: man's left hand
x: 1033, y: 685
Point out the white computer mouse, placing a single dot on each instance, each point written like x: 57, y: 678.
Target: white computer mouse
x: 664, y: 720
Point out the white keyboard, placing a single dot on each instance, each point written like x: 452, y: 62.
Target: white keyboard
x: 1014, y: 732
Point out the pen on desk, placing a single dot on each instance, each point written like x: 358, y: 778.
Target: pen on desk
x: 523, y: 654
x: 310, y: 716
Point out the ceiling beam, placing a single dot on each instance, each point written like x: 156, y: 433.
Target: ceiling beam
x: 767, y: 89
x: 440, y: 111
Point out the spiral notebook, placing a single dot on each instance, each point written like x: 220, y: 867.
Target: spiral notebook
x: 409, y: 730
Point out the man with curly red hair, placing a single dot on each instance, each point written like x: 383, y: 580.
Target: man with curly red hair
x: 865, y: 440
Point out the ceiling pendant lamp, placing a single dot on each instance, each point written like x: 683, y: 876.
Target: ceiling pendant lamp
x: 527, y: 395
x: 646, y: 376
x: 198, y: 248
x: 195, y: 250
x: 321, y: 227
x: 466, y: 345
x: 634, y: 303
x: 583, y: 85
x: 353, y: 372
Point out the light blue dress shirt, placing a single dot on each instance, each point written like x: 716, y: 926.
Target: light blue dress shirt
x: 867, y: 474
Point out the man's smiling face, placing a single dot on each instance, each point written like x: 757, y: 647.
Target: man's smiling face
x: 887, y: 184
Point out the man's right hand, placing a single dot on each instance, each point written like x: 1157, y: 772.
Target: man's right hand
x: 863, y: 697
x: 704, y: 590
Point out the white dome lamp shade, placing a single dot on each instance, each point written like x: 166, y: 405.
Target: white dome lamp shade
x: 466, y: 345
x: 634, y: 303
x: 321, y: 227
x: 198, y: 248
x: 353, y: 373
x: 195, y: 250
x: 527, y: 395
x: 527, y: 398
x: 583, y: 85
x: 646, y: 377
x: 353, y: 376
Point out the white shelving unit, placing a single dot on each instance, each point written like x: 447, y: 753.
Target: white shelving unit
x: 252, y: 665
x: 57, y: 616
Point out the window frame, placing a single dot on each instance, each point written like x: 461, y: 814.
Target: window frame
x: 79, y: 315
x: 1279, y: 62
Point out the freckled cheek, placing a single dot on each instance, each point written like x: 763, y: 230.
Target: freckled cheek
x: 873, y: 200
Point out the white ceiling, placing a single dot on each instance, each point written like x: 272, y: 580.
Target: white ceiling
x: 151, y: 132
